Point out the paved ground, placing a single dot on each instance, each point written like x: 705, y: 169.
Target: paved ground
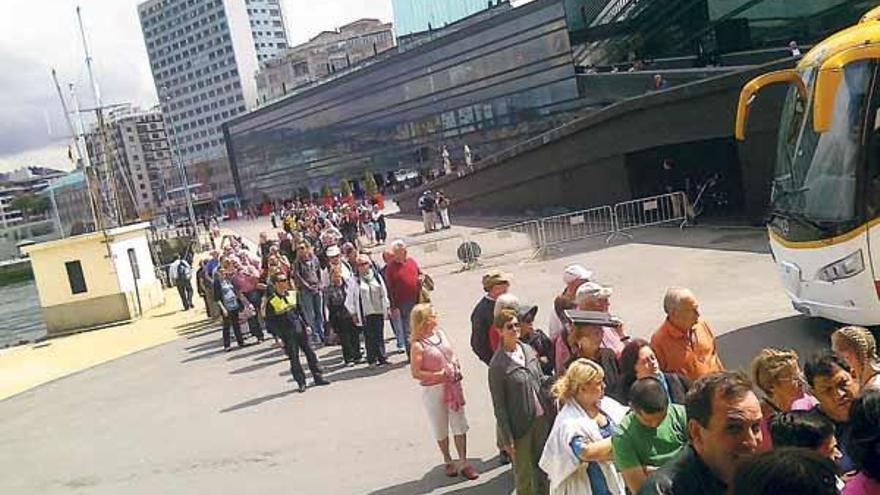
x: 184, y: 417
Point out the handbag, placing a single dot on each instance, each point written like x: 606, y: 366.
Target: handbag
x: 426, y: 285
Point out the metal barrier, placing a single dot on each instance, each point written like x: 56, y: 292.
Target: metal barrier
x: 507, y: 239
x: 654, y: 210
x: 575, y: 226
x: 436, y: 252
x: 537, y: 236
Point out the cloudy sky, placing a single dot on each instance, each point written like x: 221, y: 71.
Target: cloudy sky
x: 36, y: 35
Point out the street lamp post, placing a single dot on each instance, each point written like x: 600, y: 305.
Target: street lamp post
x: 175, y: 150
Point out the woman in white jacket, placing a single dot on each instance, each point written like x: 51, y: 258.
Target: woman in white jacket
x: 577, y: 456
x: 367, y: 301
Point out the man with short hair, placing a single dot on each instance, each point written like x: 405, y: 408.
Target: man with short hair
x: 651, y: 434
x: 427, y: 205
x: 594, y: 297
x: 834, y: 387
x: 495, y: 283
x: 403, y: 280
x: 724, y: 427
x: 684, y: 343
x: 179, y: 272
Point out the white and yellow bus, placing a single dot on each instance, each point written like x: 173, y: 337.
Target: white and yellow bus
x: 824, y: 216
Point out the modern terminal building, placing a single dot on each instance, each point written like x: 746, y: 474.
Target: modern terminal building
x: 506, y: 76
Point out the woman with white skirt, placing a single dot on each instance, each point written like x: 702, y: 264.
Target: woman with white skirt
x: 434, y: 365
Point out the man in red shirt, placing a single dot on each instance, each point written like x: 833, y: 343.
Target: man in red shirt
x: 403, y: 280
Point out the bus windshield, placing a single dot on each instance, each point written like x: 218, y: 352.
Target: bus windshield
x: 815, y: 178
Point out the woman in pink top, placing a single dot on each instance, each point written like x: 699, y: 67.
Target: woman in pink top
x: 434, y: 365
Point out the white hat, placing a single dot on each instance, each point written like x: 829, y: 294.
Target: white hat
x: 592, y: 290
x: 333, y: 251
x: 576, y: 272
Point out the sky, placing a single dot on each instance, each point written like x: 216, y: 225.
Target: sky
x: 37, y: 35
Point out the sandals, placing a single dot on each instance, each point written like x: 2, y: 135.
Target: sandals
x: 469, y: 472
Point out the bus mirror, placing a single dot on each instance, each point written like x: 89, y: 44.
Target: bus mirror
x: 828, y: 82
x: 752, y: 88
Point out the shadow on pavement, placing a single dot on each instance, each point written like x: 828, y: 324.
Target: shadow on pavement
x: 361, y: 371
x: 497, y: 482
x: 800, y: 333
x: 258, y: 400
x: 257, y: 366
x: 204, y: 355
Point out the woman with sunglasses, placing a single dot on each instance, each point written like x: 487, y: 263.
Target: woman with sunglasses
x: 778, y: 375
x: 521, y: 409
x: 284, y: 317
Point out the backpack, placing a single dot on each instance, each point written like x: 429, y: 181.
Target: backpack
x: 181, y: 271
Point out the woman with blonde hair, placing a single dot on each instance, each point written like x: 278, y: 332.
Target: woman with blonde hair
x: 778, y: 375
x: 578, y: 454
x: 857, y: 346
x: 434, y: 364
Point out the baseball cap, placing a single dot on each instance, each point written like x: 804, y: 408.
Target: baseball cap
x: 527, y: 309
x: 333, y: 251
x: 576, y: 272
x: 495, y: 277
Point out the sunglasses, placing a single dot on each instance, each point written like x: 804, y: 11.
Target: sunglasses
x: 511, y: 326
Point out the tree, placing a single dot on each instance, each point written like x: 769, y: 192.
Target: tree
x: 303, y: 193
x: 370, y: 185
x: 30, y: 204
x: 345, y: 188
x: 325, y: 191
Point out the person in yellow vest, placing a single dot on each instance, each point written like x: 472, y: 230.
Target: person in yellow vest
x: 284, y: 318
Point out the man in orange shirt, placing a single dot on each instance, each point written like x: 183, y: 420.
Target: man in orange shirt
x: 685, y: 343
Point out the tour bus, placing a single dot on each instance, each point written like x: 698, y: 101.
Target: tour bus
x: 824, y: 214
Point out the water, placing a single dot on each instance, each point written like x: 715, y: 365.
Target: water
x: 20, y: 314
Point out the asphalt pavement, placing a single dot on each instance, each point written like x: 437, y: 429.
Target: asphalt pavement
x: 185, y: 417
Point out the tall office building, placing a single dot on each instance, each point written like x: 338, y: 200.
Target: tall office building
x: 203, y: 55
x: 267, y: 25
x: 413, y: 16
x: 139, y: 151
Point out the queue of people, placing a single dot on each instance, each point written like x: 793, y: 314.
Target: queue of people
x: 590, y: 410
x: 583, y: 408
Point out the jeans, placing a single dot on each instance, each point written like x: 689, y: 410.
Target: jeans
x: 256, y: 328
x: 401, y: 326
x: 295, y: 339
x: 373, y: 328
x: 313, y: 308
x: 185, y: 289
x: 231, y: 319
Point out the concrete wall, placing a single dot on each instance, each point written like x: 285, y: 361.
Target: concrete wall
x: 51, y: 275
x: 86, y: 313
x: 581, y: 164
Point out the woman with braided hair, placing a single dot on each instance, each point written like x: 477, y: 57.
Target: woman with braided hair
x: 857, y: 346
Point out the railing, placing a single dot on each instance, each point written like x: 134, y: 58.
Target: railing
x: 575, y: 226
x: 538, y: 236
x: 654, y: 210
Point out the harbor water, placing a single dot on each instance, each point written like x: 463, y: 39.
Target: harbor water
x: 20, y: 314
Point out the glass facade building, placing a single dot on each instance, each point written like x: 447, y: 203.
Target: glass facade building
x: 489, y: 86
x: 413, y: 16
x: 617, y: 31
